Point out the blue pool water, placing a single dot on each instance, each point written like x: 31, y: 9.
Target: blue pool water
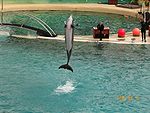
x: 108, y: 79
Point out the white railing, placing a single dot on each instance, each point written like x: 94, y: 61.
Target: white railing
x: 41, y: 22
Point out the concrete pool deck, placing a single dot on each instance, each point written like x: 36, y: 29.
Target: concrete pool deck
x: 91, y: 7
x: 128, y: 39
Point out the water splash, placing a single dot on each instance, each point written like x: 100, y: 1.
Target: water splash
x: 66, y: 88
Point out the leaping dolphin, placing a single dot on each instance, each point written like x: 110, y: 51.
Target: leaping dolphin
x: 69, y: 32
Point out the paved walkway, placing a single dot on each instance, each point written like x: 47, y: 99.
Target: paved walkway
x: 128, y: 39
x: 93, y: 7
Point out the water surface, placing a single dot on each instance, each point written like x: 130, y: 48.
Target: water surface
x: 107, y: 79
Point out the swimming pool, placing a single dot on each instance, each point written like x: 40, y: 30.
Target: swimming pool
x: 108, y: 79
x: 84, y: 22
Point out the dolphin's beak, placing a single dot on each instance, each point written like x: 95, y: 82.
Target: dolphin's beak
x: 70, y: 17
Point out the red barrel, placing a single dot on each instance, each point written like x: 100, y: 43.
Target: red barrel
x: 121, y: 33
x: 136, y: 32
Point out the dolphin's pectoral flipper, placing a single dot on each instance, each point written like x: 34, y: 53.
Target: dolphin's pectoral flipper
x: 65, y: 26
x: 72, y: 26
x: 66, y: 66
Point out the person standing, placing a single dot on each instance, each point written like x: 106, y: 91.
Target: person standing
x: 100, y: 27
x: 143, y: 30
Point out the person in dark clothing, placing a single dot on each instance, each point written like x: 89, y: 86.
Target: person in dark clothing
x: 147, y: 14
x: 143, y: 30
x: 100, y: 27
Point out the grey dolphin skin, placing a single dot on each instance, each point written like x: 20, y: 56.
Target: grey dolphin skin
x: 69, y: 32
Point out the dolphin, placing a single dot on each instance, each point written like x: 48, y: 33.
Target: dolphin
x: 69, y: 35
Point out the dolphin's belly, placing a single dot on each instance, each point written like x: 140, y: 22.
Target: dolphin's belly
x: 69, y: 38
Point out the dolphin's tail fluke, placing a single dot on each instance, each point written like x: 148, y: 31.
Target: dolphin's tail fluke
x: 66, y: 66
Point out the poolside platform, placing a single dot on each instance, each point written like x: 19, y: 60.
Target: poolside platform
x: 128, y: 39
